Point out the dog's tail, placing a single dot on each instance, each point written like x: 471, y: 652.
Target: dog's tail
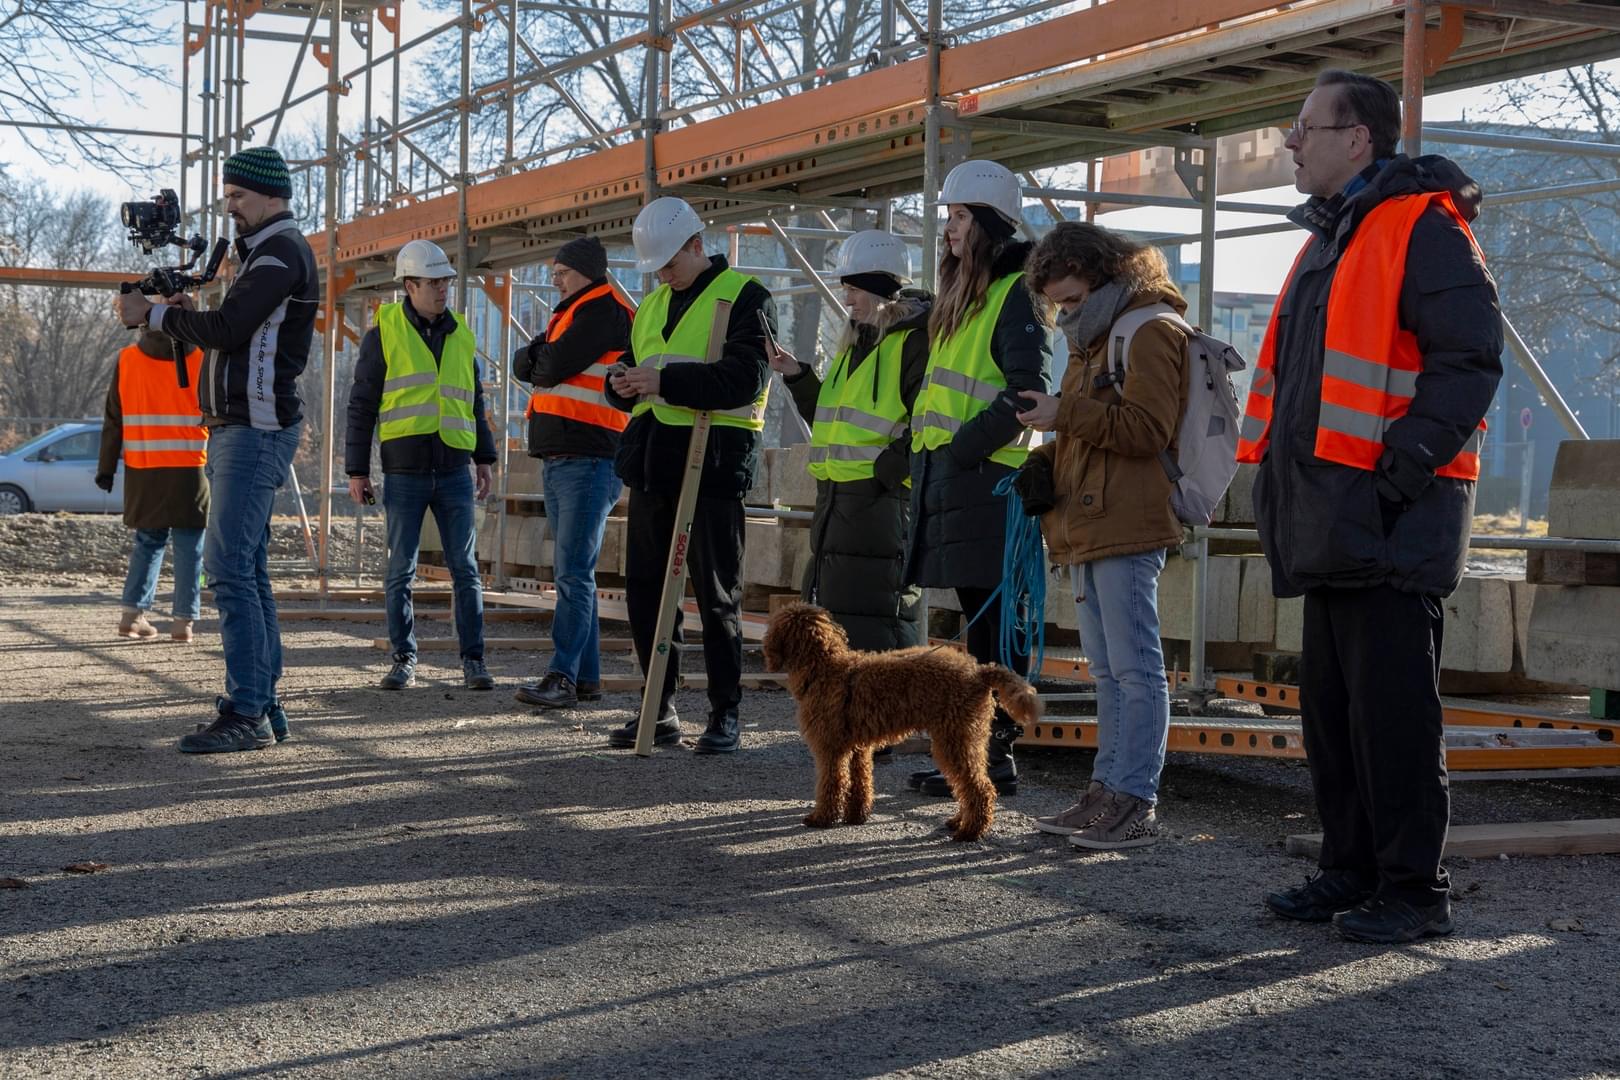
x: 1015, y: 695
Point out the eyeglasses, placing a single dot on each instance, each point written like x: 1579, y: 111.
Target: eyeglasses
x: 1300, y: 130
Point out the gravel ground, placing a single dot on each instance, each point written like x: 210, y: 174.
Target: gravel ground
x: 443, y: 884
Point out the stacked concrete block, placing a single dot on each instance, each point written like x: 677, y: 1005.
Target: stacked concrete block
x: 1584, y: 500
x: 1479, y: 627
x: 775, y: 555
x: 523, y: 474
x: 1257, y: 608
x: 791, y: 483
x: 1574, y: 635
x: 431, y: 541
x: 1222, y: 599
x: 760, y: 493
x: 1290, y: 633
x: 1237, y: 507
x: 611, y: 559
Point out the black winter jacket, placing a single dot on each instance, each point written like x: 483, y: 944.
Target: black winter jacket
x: 257, y: 340
x: 410, y: 453
x: 958, y: 522
x: 1323, y: 524
x: 652, y: 455
x: 599, y: 327
x: 858, y: 533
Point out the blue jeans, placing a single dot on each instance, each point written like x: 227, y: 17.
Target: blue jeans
x: 579, y: 493
x: 146, y: 563
x: 245, y: 468
x: 1119, y: 631
x: 407, y: 497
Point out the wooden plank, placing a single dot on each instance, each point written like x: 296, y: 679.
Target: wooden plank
x: 373, y: 614
x: 1598, y: 836
x: 1572, y: 568
x: 609, y: 646
x: 750, y: 681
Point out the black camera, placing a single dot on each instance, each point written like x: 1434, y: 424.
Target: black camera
x: 152, y: 226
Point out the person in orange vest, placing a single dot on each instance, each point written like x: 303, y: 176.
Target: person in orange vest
x: 1366, y: 418
x: 155, y: 424
x: 575, y: 434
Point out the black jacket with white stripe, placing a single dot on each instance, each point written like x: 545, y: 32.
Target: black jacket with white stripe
x: 257, y: 341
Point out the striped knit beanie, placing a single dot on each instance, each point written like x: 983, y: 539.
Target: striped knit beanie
x: 261, y: 169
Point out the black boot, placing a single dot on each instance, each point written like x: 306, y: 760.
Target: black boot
x: 723, y: 736
x: 1003, y: 771
x: 666, y: 733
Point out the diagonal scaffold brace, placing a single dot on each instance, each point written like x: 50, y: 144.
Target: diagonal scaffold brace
x: 652, y: 690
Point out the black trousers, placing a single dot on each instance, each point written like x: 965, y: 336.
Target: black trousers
x: 1374, y: 737
x: 715, y: 569
x: 984, y: 639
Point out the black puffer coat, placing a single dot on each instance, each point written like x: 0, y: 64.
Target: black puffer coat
x: 858, y: 534
x: 1323, y: 524
x: 958, y: 522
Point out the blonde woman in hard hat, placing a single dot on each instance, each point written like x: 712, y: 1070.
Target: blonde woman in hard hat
x: 988, y: 342
x: 663, y: 381
x: 860, y: 445
x: 416, y: 384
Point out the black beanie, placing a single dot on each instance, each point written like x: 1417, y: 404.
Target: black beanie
x: 994, y: 225
x: 584, y: 255
x: 261, y: 169
x: 879, y: 284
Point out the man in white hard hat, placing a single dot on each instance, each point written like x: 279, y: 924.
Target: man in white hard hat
x: 664, y: 382
x: 416, y: 385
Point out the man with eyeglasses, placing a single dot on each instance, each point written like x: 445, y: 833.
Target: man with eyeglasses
x: 1366, y: 418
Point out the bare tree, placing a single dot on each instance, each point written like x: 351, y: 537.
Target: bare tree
x: 54, y: 50
x: 57, y: 345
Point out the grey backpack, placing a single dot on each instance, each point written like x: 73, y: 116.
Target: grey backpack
x: 1206, y: 444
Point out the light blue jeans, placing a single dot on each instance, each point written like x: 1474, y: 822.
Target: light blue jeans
x: 1119, y: 632
x: 579, y: 493
x: 407, y: 497
x: 146, y: 563
x: 246, y: 466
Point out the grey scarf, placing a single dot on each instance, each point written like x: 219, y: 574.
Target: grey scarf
x: 1087, y: 323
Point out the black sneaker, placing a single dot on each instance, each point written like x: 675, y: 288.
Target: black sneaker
x: 667, y: 733
x: 917, y: 779
x: 475, y: 676
x: 1323, y: 896
x: 554, y: 691
x: 722, y: 736
x: 278, y: 722
x: 1393, y: 922
x: 588, y: 691
x: 401, y: 675
x: 228, y: 732
x: 1003, y: 774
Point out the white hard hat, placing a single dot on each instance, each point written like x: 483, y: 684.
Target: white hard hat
x: 423, y: 259
x: 662, y: 228
x: 873, y: 251
x: 985, y: 183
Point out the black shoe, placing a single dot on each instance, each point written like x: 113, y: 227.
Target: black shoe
x: 475, y: 676
x: 588, y: 691
x: 917, y: 779
x: 228, y: 732
x: 666, y: 733
x: 883, y: 755
x: 554, y: 691
x: 1003, y: 774
x: 1323, y: 896
x: 278, y: 722
x: 1392, y: 922
x: 722, y: 736
x: 401, y: 675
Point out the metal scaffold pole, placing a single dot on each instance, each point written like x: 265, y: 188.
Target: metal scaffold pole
x: 334, y: 318
x: 1412, y: 35
x: 931, y: 177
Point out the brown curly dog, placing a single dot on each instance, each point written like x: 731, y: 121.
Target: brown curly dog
x: 851, y: 703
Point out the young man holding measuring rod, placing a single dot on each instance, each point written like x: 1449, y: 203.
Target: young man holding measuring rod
x: 694, y: 383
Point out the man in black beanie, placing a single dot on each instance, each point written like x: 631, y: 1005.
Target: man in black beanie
x: 575, y: 433
x: 256, y: 345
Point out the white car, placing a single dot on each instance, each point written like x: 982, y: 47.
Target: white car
x: 57, y: 471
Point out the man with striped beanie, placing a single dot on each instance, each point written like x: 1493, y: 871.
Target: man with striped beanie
x: 255, y: 345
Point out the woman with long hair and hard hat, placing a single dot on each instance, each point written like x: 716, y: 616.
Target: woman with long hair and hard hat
x: 664, y: 380
x: 860, y: 445
x: 987, y: 343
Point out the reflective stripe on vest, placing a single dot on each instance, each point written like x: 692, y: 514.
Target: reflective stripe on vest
x: 423, y: 397
x: 689, y: 344
x: 163, y: 426
x: 963, y: 380
x: 1370, y: 366
x: 859, y: 413
x: 579, y: 397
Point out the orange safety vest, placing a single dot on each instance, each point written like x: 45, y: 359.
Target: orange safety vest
x: 163, y: 426
x: 579, y: 397
x: 1370, y: 365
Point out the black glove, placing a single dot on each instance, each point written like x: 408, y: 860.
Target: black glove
x: 1033, y: 482
x: 1398, y: 479
x: 104, y: 481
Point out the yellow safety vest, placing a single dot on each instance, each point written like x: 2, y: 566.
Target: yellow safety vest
x: 963, y: 380
x: 421, y: 397
x: 859, y: 414
x: 688, y: 344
